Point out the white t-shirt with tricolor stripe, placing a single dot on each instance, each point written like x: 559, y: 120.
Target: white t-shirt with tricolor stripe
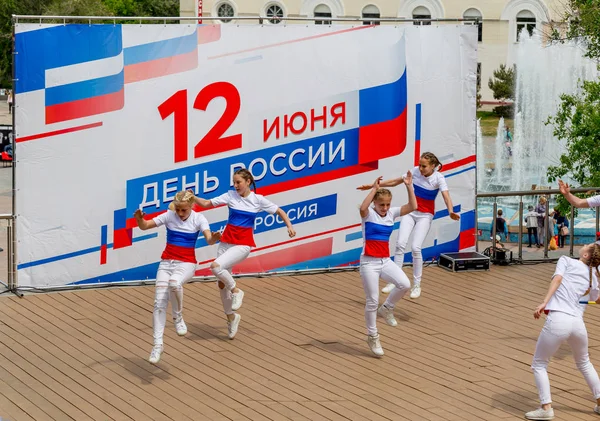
x: 181, y: 235
x: 426, y: 189
x: 242, y: 214
x: 377, y: 230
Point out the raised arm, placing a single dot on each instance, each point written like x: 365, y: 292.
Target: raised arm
x: 364, y: 207
x: 203, y: 203
x: 283, y: 215
x: 142, y: 223
x: 412, y: 199
x: 388, y: 183
x: 565, y: 190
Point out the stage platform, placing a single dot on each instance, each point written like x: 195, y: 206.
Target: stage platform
x: 460, y: 352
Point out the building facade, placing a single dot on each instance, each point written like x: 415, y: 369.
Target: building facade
x: 500, y: 20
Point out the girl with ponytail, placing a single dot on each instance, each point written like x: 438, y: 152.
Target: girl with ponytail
x: 238, y: 238
x: 572, y: 281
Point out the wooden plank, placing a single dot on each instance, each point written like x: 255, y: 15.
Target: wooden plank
x: 460, y: 352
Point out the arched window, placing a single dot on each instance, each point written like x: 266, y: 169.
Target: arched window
x: 274, y: 11
x: 421, y: 12
x: 225, y: 11
x: 368, y: 12
x: 475, y: 14
x: 525, y: 20
x: 322, y: 11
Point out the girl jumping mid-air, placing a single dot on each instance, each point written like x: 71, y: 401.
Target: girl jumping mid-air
x: 238, y: 238
x: 178, y: 262
x: 427, y: 181
x: 377, y: 226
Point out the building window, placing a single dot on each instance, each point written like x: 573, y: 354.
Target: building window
x: 525, y: 20
x: 275, y: 13
x: 322, y: 11
x: 475, y: 14
x: 225, y: 12
x: 478, y: 76
x: 421, y: 12
x: 370, y: 12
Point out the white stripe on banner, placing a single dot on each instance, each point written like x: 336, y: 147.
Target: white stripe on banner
x: 84, y: 71
x: 147, y: 34
x: 27, y: 27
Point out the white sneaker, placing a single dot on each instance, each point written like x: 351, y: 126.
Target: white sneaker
x: 387, y: 289
x: 388, y: 315
x: 180, y: 326
x: 155, y: 354
x: 375, y: 345
x: 415, y: 292
x: 236, y: 300
x: 597, y: 409
x: 232, y: 326
x: 540, y: 414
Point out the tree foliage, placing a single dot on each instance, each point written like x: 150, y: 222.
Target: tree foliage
x: 502, y: 85
x: 8, y: 8
x: 577, y: 121
x: 584, y: 24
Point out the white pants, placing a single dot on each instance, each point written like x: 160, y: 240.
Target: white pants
x: 418, y: 223
x: 371, y: 269
x: 228, y: 255
x: 560, y: 327
x: 171, y: 276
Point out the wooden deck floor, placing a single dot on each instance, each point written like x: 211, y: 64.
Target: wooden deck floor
x: 460, y: 352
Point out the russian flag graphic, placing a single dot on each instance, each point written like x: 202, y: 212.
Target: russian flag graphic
x: 377, y: 239
x: 81, y: 72
x: 160, y: 58
x: 240, y: 228
x: 85, y: 69
x: 425, y: 199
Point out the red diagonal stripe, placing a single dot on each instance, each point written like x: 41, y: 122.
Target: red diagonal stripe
x: 459, y: 163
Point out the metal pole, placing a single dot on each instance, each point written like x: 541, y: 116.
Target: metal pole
x: 476, y: 226
x: 571, y: 229
x: 535, y: 192
x: 9, y: 250
x: 545, y: 228
x: 240, y: 18
x: 476, y: 188
x: 521, y: 229
x: 597, y: 220
x: 494, y: 212
x: 13, y: 236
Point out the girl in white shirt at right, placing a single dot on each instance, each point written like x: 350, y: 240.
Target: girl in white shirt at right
x: 572, y: 281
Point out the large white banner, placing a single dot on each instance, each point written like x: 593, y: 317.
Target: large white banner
x: 114, y: 117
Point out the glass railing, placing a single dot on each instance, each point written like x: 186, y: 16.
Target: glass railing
x: 530, y: 245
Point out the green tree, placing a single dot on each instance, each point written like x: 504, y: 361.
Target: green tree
x: 158, y: 8
x: 76, y: 8
x: 8, y: 8
x: 577, y: 121
x: 502, y: 85
x: 584, y: 23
